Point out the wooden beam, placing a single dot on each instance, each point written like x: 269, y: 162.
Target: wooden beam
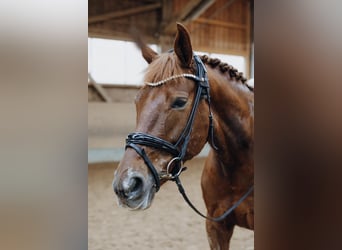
x: 123, y: 13
x: 221, y: 23
x: 210, y: 49
x: 248, y: 41
x: 197, y: 10
x: 108, y: 33
x: 191, y: 10
x: 166, y: 41
x: 101, y: 91
x: 167, y: 10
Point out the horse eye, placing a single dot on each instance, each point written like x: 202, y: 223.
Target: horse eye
x: 179, y: 103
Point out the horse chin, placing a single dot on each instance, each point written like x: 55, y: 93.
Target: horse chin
x: 140, y: 203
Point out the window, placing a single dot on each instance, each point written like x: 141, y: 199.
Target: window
x: 120, y: 62
x: 116, y: 62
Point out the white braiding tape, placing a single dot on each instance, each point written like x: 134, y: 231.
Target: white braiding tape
x: 161, y: 82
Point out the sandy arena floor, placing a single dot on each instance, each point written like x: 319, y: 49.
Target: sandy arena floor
x: 168, y: 224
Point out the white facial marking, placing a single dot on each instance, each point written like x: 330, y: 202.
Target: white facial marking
x: 137, y: 203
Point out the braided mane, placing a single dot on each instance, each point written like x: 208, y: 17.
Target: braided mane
x: 166, y: 68
x: 225, y: 67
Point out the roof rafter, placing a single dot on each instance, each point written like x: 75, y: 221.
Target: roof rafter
x: 123, y: 13
x: 191, y: 10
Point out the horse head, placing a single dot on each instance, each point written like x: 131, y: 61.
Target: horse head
x: 168, y: 129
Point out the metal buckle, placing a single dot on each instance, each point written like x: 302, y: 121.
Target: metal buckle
x: 169, y: 164
x: 167, y: 174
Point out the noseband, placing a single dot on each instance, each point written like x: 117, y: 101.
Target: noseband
x: 178, y: 150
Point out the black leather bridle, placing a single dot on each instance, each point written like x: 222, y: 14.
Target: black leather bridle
x: 178, y: 150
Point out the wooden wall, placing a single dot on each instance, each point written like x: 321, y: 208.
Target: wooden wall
x: 223, y: 30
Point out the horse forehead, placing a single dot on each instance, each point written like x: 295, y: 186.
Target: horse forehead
x: 149, y: 95
x: 151, y: 101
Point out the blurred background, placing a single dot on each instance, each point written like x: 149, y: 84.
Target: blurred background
x: 44, y: 131
x: 221, y: 29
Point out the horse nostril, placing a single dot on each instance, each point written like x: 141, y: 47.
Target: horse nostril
x: 116, y: 190
x: 136, y: 184
x: 129, y: 188
x: 133, y: 187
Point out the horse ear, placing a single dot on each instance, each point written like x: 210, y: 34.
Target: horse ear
x: 182, y: 46
x: 148, y: 53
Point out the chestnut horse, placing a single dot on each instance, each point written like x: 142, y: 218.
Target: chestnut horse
x: 187, y: 101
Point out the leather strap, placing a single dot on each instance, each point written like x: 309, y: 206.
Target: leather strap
x: 152, y: 141
x: 216, y: 219
x: 179, y: 148
x: 140, y: 151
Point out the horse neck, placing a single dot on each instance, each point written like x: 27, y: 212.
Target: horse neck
x: 232, y: 106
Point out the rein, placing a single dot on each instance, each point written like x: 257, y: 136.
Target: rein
x: 178, y: 151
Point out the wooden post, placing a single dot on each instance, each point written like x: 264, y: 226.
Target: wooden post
x: 248, y: 40
x: 101, y: 91
x: 165, y: 41
x: 251, y: 8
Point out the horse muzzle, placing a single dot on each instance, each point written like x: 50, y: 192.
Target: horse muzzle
x: 134, y: 190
